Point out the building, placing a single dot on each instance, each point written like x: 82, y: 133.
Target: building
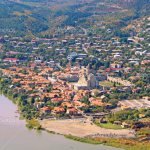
x: 86, y: 80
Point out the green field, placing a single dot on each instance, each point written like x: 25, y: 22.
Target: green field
x: 108, y: 84
x: 109, y: 126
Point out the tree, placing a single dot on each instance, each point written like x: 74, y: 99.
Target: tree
x: 107, y: 64
x: 114, y: 85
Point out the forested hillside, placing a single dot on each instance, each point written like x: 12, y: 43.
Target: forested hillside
x: 23, y: 17
x: 20, y: 18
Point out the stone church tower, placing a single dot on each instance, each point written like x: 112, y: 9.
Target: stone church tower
x: 92, y: 82
x: 87, y: 80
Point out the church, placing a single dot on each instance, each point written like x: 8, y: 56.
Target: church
x: 86, y: 80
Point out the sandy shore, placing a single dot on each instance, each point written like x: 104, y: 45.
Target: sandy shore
x: 81, y: 129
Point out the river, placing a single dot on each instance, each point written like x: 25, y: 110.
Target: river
x: 15, y: 136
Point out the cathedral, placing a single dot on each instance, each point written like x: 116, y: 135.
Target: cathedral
x: 86, y: 80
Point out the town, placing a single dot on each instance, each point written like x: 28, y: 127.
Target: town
x: 75, y: 74
x: 80, y: 76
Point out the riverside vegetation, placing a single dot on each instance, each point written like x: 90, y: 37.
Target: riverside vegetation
x: 128, y: 144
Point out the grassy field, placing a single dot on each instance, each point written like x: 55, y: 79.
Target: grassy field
x: 108, y: 84
x: 109, y: 126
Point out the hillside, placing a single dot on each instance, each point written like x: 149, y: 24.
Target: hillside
x: 44, y: 16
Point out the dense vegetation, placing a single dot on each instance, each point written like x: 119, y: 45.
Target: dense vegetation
x: 20, y: 19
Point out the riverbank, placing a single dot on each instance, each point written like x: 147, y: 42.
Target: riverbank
x: 77, y: 127
x: 81, y: 128
x: 80, y: 131
x: 127, y: 144
x: 86, y: 132
x: 16, y: 136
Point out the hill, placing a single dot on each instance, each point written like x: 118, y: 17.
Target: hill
x: 36, y: 17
